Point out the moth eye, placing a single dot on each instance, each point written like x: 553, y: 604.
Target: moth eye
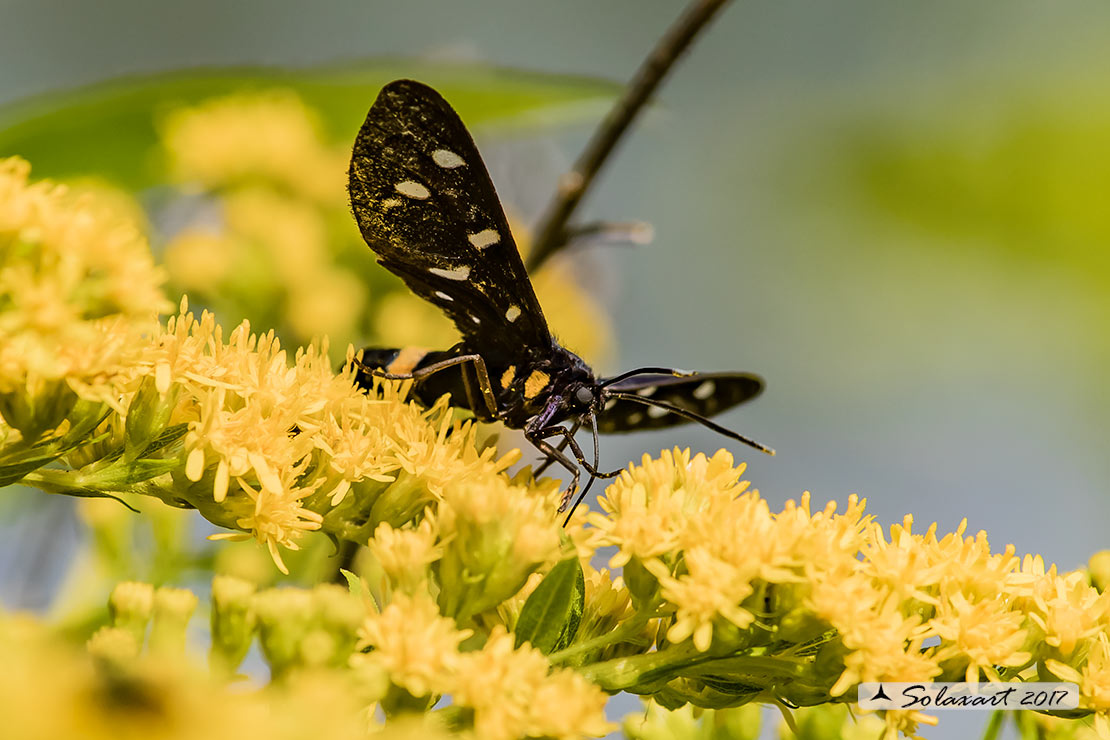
x: 584, y: 396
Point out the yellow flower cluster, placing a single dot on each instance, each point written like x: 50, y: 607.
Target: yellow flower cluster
x: 111, y: 691
x: 272, y: 136
x: 512, y: 691
x: 78, y: 286
x: 266, y: 246
x: 276, y: 450
x: 913, y: 607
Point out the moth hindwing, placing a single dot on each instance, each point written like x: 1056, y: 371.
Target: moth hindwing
x: 427, y: 207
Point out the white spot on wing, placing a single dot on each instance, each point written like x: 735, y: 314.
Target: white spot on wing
x: 412, y: 189
x: 476, y: 320
x: 705, y: 390
x: 457, y: 273
x: 513, y: 313
x: 635, y: 418
x: 610, y: 404
x: 444, y: 296
x: 447, y: 159
x: 647, y: 392
x: 655, y: 412
x: 484, y: 239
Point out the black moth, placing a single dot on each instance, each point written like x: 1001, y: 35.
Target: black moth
x: 427, y: 207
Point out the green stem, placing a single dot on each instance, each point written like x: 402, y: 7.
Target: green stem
x: 620, y: 674
x: 619, y: 634
x: 684, y: 659
x: 551, y: 233
x: 994, y: 725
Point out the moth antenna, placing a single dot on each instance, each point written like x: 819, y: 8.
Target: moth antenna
x: 679, y: 411
x: 646, y: 371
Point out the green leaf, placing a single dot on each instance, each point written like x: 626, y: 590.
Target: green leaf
x: 14, y: 472
x: 549, y: 618
x: 354, y: 583
x: 110, y: 129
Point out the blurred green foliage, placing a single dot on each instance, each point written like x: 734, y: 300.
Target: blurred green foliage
x: 1030, y: 177
x: 110, y: 129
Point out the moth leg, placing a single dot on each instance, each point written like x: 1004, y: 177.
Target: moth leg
x: 560, y: 447
x: 480, y: 371
x: 554, y: 455
x: 568, y: 438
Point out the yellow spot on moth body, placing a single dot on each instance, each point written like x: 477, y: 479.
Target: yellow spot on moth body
x: 412, y: 189
x: 406, y: 361
x: 508, y: 377
x: 536, y: 382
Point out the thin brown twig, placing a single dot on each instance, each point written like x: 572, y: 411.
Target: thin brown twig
x: 551, y: 234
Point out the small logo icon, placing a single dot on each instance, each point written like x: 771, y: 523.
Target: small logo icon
x: 880, y: 695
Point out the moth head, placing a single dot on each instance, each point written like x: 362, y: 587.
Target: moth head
x: 584, y: 397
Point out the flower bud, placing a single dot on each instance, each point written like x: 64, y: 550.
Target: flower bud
x: 232, y: 623
x: 173, y: 608
x: 130, y: 606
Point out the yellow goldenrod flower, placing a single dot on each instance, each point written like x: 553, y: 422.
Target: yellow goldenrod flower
x: 496, y: 534
x: 513, y: 695
x: 647, y: 509
x: 884, y: 644
x: 1069, y: 611
x: 607, y: 602
x: 405, y: 554
x: 1093, y: 676
x: 276, y: 450
x: 242, y: 137
x: 417, y: 646
x: 78, y: 288
x: 982, y: 634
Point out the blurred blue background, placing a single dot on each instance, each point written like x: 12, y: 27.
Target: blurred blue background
x: 895, y: 212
